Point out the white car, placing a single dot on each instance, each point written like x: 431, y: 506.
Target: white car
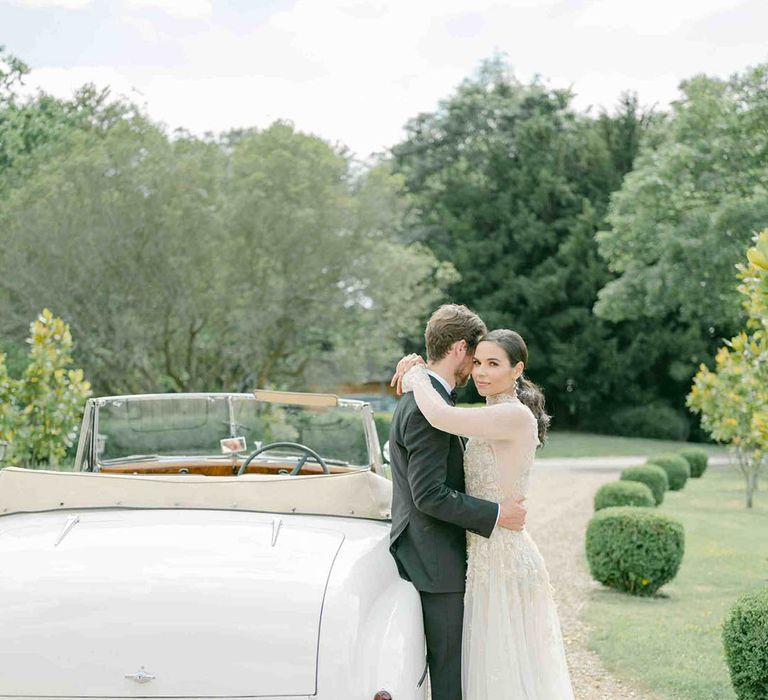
x: 208, y: 546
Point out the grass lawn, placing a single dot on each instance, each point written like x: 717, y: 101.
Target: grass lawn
x: 567, y: 444
x: 672, y: 644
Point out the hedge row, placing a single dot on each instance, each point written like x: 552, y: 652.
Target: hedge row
x: 629, y: 547
x: 624, y: 493
x: 697, y: 460
x: 676, y: 467
x: 632, y: 549
x: 652, y: 475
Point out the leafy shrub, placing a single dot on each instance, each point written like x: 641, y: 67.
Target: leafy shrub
x: 635, y: 550
x: 677, y: 469
x: 697, y: 460
x: 624, y: 493
x: 655, y: 420
x: 652, y: 475
x: 40, y: 412
x: 745, y: 637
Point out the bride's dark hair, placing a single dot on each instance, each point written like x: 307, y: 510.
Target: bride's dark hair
x: 528, y: 393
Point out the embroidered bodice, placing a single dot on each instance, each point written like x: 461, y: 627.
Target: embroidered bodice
x: 503, y: 437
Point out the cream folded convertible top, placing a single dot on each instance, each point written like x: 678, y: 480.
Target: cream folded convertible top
x: 360, y: 494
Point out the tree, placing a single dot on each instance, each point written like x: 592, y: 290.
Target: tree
x: 40, y: 413
x: 331, y: 289
x: 33, y: 126
x: 733, y: 399
x: 510, y: 184
x: 260, y: 258
x: 684, y: 215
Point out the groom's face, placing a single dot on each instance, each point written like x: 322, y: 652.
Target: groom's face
x: 464, y: 370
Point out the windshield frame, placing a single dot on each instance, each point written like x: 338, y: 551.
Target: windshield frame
x: 86, y: 456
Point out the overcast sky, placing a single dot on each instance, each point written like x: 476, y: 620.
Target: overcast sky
x: 354, y: 71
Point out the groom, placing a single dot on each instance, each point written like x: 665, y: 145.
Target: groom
x: 430, y: 511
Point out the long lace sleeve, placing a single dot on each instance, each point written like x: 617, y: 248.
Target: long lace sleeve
x: 504, y: 421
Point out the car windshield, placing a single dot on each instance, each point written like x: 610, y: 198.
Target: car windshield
x: 137, y: 428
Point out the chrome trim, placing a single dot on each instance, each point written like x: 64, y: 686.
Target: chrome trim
x: 423, y: 675
x: 102, y: 400
x: 71, y: 522
x: 141, y: 676
x: 375, y: 458
x: 82, y: 441
x: 90, y: 422
x: 276, y: 523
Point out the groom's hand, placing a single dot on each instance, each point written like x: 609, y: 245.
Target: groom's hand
x: 512, y: 513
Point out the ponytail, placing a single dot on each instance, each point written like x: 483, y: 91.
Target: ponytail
x: 532, y: 396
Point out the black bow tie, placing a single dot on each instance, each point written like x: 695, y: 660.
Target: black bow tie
x: 453, y: 396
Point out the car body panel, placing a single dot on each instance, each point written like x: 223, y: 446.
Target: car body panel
x: 176, y: 585
x: 165, y: 588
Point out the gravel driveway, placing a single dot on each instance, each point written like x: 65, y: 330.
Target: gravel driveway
x: 560, y: 505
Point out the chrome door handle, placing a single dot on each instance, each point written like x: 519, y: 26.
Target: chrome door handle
x: 141, y: 676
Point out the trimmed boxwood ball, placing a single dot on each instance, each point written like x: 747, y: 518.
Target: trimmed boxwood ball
x: 676, y: 467
x: 745, y: 638
x: 652, y: 475
x: 634, y: 550
x: 624, y: 493
x: 697, y: 460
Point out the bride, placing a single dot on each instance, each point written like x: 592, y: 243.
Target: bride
x: 512, y: 645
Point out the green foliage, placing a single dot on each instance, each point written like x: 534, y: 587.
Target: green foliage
x: 633, y: 549
x: 8, y: 410
x: 733, y: 399
x: 655, y: 420
x: 697, y: 460
x: 745, y: 638
x: 12, y: 70
x: 40, y: 412
x: 683, y: 216
x: 509, y: 184
x: 677, y: 468
x: 261, y: 259
x: 652, y: 475
x: 34, y: 127
x: 723, y: 551
x: 624, y: 493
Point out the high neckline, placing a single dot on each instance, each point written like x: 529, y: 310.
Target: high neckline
x: 504, y: 397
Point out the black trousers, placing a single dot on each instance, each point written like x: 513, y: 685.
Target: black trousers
x: 443, y: 619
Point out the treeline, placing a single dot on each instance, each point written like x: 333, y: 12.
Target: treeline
x: 271, y: 257
x: 608, y: 241
x: 253, y: 258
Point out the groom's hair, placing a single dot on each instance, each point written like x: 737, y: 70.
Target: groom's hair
x: 449, y: 324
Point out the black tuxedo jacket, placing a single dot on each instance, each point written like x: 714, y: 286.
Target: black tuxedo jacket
x: 430, y: 511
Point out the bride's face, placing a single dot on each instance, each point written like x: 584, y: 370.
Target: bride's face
x: 491, y: 370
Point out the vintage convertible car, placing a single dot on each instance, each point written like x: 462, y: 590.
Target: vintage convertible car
x: 208, y: 546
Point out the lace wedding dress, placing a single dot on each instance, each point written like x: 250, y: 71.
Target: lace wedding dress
x: 512, y: 643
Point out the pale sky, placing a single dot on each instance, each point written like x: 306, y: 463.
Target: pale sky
x: 354, y: 71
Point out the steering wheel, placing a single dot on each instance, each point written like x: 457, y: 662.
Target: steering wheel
x: 306, y: 450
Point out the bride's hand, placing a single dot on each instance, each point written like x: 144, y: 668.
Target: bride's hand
x: 402, y: 367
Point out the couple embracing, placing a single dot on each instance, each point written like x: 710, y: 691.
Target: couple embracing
x: 458, y: 515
